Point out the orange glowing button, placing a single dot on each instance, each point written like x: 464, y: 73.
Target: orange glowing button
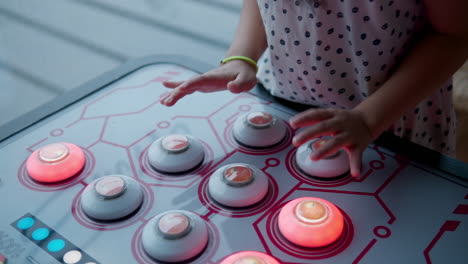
x: 310, y: 222
x: 110, y: 186
x: 174, y: 225
x: 311, y: 211
x: 260, y: 119
x: 249, y: 257
x: 175, y: 143
x: 55, y: 162
x: 319, y: 143
x: 238, y: 175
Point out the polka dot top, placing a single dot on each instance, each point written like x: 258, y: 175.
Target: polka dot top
x: 334, y: 53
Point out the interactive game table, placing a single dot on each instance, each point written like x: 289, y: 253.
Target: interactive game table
x: 410, y: 204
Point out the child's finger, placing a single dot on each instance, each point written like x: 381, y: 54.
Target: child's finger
x: 240, y: 84
x: 330, y: 147
x: 355, y: 159
x: 310, y: 117
x: 172, y: 84
x: 323, y: 128
x: 187, y: 87
x: 164, y: 96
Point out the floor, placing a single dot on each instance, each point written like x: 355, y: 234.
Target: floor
x: 49, y: 47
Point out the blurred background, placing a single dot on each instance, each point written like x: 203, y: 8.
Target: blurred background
x: 48, y: 47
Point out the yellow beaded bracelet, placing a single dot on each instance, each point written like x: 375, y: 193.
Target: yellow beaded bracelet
x: 242, y: 58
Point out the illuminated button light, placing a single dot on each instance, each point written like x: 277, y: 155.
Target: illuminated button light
x: 238, y: 175
x: 238, y: 185
x: 56, y: 245
x: 249, y: 257
x: 112, y: 197
x: 334, y: 165
x: 175, y: 143
x: 175, y: 154
x: 72, y: 257
x: 259, y: 130
x: 40, y: 234
x: 25, y: 223
x: 175, y: 236
x: 55, y: 162
x: 310, y: 222
x: 260, y: 119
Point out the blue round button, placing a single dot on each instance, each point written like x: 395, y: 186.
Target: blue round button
x: 25, y: 223
x: 40, y: 234
x: 56, y: 245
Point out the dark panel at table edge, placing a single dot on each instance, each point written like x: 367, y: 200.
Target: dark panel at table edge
x: 403, y: 147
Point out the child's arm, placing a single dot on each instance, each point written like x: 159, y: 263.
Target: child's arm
x: 430, y: 64
x: 442, y: 50
x: 236, y: 76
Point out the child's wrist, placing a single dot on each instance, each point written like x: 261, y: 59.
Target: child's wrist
x: 252, y: 63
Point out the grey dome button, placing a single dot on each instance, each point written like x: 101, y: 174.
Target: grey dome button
x: 111, y: 197
x: 174, y: 236
x: 110, y: 186
x: 175, y: 153
x: 334, y: 165
x: 259, y: 129
x: 238, y: 185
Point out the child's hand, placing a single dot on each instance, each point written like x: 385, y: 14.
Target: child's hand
x: 347, y: 128
x: 236, y: 76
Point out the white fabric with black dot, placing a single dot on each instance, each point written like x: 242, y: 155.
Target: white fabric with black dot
x: 334, y: 53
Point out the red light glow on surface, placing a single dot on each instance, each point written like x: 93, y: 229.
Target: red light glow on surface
x: 310, y: 222
x: 55, y: 162
x: 175, y: 142
x: 238, y: 174
x: 249, y: 257
x: 260, y: 119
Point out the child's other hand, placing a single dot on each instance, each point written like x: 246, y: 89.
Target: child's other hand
x: 236, y: 76
x: 347, y: 128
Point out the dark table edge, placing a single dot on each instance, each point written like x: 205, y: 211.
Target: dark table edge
x: 403, y: 147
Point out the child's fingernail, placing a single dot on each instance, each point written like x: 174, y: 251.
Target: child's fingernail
x: 295, y: 141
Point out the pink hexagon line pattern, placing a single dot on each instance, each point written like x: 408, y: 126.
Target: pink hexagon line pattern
x: 448, y: 226
x: 85, y: 108
x: 31, y: 148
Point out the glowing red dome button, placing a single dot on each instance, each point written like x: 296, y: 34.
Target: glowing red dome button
x: 249, y: 257
x: 310, y: 222
x: 55, y: 162
x: 175, y: 143
x: 53, y: 153
x: 311, y: 211
x: 260, y: 119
